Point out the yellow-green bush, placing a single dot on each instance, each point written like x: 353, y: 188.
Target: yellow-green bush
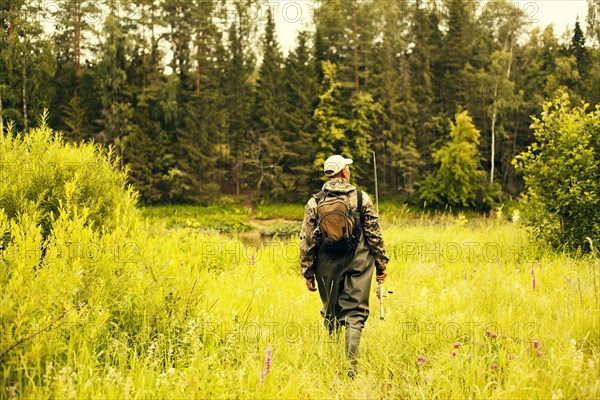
x: 43, y: 176
x: 561, y: 170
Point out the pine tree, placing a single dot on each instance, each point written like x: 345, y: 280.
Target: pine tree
x: 459, y: 179
x: 348, y: 134
x: 267, y: 149
x: 25, y: 62
x: 238, y: 97
x: 394, y: 134
x: 110, y: 76
x: 341, y: 35
x: 298, y: 132
x: 456, y: 53
x: 75, y: 20
x: 579, y: 51
x: 331, y: 123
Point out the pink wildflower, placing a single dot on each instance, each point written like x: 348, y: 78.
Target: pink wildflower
x: 269, y: 357
x: 267, y: 369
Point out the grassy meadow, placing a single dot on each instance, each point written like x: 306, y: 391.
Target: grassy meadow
x: 189, y: 302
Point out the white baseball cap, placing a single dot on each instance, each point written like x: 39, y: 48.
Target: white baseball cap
x: 335, y: 164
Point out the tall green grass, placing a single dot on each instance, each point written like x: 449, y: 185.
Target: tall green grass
x: 169, y: 311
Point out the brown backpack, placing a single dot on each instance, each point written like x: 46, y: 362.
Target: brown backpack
x: 338, y: 227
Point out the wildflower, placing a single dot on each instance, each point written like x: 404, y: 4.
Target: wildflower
x: 267, y: 369
x: 269, y: 357
x: 491, y: 334
x: 456, y: 345
x: 536, y: 344
x: 421, y: 360
x: 493, y: 366
x: 534, y: 281
x: 540, y: 354
x: 454, y: 353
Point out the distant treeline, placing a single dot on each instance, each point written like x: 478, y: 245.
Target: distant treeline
x: 198, y: 98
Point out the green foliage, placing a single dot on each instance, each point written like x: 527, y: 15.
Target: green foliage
x: 290, y: 211
x: 282, y: 229
x: 562, y: 174
x: 44, y: 178
x: 219, y: 216
x: 301, y: 91
x: 459, y: 180
x: 340, y: 133
x: 177, y: 88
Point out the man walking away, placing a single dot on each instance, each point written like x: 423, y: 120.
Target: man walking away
x: 340, y: 244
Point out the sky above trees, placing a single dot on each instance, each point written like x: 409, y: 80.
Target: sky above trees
x: 292, y: 16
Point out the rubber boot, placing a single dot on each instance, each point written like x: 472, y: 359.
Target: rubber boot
x: 352, y: 343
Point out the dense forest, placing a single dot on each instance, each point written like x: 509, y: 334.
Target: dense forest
x: 198, y: 98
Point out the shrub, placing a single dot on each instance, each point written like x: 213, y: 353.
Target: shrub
x: 459, y: 180
x: 561, y: 170
x: 43, y: 176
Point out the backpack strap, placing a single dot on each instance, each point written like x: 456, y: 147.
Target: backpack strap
x: 359, y: 204
x: 356, y: 232
x: 319, y: 196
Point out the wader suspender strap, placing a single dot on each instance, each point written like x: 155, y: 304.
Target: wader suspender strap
x: 359, y: 206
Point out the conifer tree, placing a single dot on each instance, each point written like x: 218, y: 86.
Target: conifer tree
x: 456, y: 53
x: 578, y: 49
x: 75, y: 20
x: 25, y: 63
x: 267, y: 148
x: 394, y: 134
x: 459, y: 179
x: 298, y: 132
x: 238, y: 95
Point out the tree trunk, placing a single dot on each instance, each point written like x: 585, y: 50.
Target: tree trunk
x: 355, y: 49
x: 144, y: 49
x: 495, y: 114
x: 198, y: 64
x: 25, y: 125
x: 493, y: 155
x: 1, y: 115
x: 77, y: 44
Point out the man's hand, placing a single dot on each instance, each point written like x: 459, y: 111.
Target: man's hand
x: 310, y: 284
x: 381, y: 275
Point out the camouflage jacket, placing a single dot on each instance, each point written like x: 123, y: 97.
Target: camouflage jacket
x: 370, y: 228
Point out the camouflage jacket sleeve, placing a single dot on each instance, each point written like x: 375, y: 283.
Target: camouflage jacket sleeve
x: 372, y: 232
x: 308, y: 241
